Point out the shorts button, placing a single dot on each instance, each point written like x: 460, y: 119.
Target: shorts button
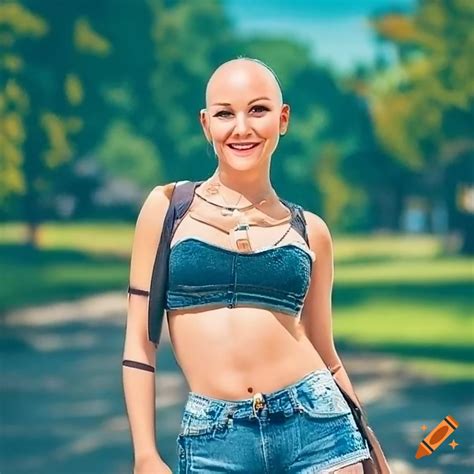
x: 230, y: 305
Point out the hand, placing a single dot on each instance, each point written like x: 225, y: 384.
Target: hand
x: 152, y: 464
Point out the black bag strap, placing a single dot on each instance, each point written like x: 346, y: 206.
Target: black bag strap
x: 298, y: 220
x: 181, y: 199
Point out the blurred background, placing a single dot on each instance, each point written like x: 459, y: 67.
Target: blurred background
x: 99, y: 103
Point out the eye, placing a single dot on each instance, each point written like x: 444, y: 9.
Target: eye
x: 221, y: 113
x: 261, y: 108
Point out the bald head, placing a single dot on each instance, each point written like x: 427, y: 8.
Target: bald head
x: 243, y: 74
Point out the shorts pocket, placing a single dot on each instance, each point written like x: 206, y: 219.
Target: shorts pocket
x: 198, y: 425
x: 321, y: 398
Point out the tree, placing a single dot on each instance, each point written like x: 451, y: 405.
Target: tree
x: 42, y: 97
x: 423, y: 107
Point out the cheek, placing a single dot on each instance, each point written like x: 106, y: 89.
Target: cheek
x: 268, y: 126
x: 220, y: 130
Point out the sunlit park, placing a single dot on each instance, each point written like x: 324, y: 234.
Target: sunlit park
x: 99, y: 103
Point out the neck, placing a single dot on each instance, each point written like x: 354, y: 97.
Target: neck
x: 251, y: 187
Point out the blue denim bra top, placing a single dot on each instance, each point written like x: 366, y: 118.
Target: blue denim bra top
x: 204, y: 274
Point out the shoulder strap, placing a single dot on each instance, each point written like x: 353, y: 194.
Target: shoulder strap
x: 180, y: 201
x: 302, y: 224
x: 298, y: 220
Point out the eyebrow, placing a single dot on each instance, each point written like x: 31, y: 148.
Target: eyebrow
x: 253, y: 100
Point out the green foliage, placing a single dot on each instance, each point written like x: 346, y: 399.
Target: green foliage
x: 87, y: 40
x: 16, y: 22
x: 135, y: 98
x: 42, y: 100
x: 125, y: 154
x: 422, y: 107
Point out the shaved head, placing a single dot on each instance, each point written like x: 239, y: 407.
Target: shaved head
x: 244, y: 106
x: 247, y: 73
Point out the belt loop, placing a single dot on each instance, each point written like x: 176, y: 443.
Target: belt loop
x: 230, y: 417
x: 294, y: 400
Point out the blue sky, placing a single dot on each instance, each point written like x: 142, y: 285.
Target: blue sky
x: 335, y: 30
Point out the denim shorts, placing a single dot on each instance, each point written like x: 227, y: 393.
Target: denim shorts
x: 305, y: 427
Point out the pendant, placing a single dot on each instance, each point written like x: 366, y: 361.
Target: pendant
x: 240, y: 238
x: 212, y: 188
x: 236, y: 213
x: 225, y: 211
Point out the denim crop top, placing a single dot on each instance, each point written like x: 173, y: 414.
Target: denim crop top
x: 201, y: 273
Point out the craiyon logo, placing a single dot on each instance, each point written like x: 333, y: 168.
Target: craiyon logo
x: 437, y: 437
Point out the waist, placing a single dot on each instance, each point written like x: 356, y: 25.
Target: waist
x: 275, y: 400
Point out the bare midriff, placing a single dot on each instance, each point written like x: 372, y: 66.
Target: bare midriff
x: 233, y: 353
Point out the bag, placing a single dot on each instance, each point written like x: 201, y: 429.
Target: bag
x: 377, y: 464
x: 181, y: 196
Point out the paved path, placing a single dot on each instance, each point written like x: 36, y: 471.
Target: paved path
x: 62, y: 402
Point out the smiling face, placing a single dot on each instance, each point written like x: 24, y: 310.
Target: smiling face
x: 244, y: 107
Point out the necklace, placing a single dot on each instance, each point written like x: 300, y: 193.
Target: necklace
x: 227, y: 207
x: 239, y: 229
x: 229, y: 211
x: 239, y: 234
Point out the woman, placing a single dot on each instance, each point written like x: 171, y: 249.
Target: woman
x: 254, y: 352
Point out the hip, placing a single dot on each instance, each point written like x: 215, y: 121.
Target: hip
x: 306, y: 426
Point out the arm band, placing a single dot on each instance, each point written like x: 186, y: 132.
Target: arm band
x: 138, y: 365
x: 137, y: 291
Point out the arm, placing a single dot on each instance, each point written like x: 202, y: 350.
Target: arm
x: 316, y: 314
x: 139, y: 376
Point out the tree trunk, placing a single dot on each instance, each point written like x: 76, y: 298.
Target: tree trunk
x: 32, y: 220
x: 32, y: 235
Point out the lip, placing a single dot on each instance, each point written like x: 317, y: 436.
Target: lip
x: 244, y: 152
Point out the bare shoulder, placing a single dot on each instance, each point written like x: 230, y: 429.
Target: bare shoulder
x: 156, y: 204
x: 319, y: 234
x: 160, y: 194
x: 147, y: 234
x: 151, y: 217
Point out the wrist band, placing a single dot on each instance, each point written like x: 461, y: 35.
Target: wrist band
x: 138, y: 365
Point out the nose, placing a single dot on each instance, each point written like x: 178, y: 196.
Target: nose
x: 241, y: 126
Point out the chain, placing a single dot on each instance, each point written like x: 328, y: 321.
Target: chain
x: 240, y: 232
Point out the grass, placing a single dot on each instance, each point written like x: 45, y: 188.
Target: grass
x: 403, y: 296
x: 398, y: 295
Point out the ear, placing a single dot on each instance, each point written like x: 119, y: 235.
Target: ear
x: 204, y: 119
x: 284, y: 118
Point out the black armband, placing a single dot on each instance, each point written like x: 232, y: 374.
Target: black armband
x: 138, y: 365
x: 137, y: 291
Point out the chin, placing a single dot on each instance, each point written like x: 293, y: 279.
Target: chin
x: 240, y: 167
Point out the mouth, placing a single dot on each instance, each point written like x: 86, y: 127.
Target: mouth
x: 243, y: 149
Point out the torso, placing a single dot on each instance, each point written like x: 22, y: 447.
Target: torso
x: 232, y: 353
